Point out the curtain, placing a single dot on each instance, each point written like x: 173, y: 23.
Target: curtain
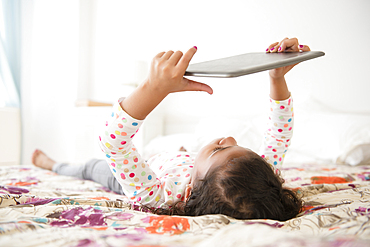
x: 10, y: 56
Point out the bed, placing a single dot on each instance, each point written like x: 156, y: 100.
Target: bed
x: 41, y: 208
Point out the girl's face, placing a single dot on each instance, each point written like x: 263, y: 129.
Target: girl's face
x: 216, y: 153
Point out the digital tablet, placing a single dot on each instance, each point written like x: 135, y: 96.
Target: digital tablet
x: 248, y: 63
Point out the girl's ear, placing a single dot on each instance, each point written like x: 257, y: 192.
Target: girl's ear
x: 188, y: 189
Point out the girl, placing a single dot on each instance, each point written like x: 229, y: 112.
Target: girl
x: 223, y: 178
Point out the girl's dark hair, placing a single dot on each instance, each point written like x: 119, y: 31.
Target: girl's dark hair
x: 244, y: 188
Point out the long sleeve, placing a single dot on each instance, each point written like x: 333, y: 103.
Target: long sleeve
x: 277, y: 137
x: 148, y: 183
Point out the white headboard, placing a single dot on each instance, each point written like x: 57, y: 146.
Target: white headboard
x: 10, y: 136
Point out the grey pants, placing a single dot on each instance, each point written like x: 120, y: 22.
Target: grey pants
x: 95, y: 170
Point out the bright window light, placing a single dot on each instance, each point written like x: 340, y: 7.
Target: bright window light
x: 2, y: 36
x: 2, y: 93
x: 2, y: 25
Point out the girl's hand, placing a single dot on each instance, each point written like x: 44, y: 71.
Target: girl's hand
x: 167, y: 71
x: 166, y: 76
x: 286, y: 45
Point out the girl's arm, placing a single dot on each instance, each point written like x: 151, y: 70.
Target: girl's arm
x: 279, y: 132
x: 166, y: 76
x: 139, y: 182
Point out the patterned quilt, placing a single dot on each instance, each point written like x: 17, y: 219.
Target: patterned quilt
x: 41, y: 208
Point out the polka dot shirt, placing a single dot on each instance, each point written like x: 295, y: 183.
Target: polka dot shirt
x: 163, y: 178
x: 279, y: 132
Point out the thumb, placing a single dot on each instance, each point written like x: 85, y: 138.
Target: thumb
x: 197, y: 86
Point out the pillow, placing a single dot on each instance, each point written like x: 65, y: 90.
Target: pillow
x: 359, y: 155
x: 324, y: 134
x: 244, y: 130
x: 320, y: 135
x: 169, y: 143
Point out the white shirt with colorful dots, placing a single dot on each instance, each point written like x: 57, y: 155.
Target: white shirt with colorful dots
x: 163, y: 178
x: 279, y: 132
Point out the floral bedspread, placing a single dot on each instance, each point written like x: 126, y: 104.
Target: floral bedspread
x: 41, y: 208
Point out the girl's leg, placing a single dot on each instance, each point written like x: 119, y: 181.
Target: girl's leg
x: 95, y: 170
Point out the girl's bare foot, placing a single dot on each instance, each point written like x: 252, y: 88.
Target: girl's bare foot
x: 40, y: 159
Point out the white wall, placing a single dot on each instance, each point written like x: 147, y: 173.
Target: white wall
x: 129, y: 31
